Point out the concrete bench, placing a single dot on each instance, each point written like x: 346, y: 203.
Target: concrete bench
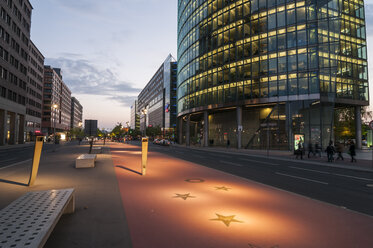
x: 96, y: 150
x: 85, y: 161
x: 29, y: 220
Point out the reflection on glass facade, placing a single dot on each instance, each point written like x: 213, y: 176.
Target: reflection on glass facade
x: 294, y: 58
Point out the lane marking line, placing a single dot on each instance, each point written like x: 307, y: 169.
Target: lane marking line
x: 335, y: 174
x: 370, y: 185
x: 21, y: 162
x: 198, y: 156
x: 360, y: 178
x: 256, y: 161
x: 297, y: 168
x: 230, y: 163
x: 302, y: 178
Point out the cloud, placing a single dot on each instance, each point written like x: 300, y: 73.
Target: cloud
x: 124, y: 100
x: 82, y: 77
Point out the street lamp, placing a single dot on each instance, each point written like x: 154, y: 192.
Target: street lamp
x: 54, y: 108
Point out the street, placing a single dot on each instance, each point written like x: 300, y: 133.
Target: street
x: 346, y: 188
x: 12, y: 156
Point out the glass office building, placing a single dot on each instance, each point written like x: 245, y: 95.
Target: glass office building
x: 269, y: 73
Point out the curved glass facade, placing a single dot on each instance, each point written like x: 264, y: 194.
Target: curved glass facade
x: 271, y: 52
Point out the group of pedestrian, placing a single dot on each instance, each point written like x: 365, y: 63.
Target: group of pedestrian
x: 330, y: 151
x: 311, y: 150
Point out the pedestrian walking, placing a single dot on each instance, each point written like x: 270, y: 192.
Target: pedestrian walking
x: 340, y: 151
x: 352, y: 151
x: 330, y: 151
x: 310, y: 150
x: 317, y: 149
x: 228, y: 143
x: 299, y: 151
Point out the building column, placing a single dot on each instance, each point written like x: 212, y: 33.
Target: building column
x: 21, y: 129
x: 187, y: 135
x: 358, y: 126
x: 3, y: 124
x: 239, y: 127
x: 12, y: 129
x: 205, y: 128
x: 180, y: 131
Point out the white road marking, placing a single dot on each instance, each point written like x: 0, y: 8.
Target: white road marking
x: 297, y: 168
x: 16, y: 164
x: 336, y: 174
x: 230, y: 163
x: 302, y: 178
x: 256, y: 161
x: 370, y: 185
x: 360, y: 178
x: 198, y: 156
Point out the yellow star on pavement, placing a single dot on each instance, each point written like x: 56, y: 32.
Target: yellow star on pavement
x: 222, y: 188
x: 226, y: 219
x: 184, y: 196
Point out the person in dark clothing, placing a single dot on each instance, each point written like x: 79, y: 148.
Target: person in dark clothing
x: 352, y: 151
x: 330, y: 151
x: 310, y: 150
x: 317, y: 149
x: 339, y: 151
x: 228, y: 143
x: 299, y: 151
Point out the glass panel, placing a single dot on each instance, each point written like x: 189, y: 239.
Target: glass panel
x: 281, y: 19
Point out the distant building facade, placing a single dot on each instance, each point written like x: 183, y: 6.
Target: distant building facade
x: 15, y: 22
x: 56, y: 102
x: 76, y: 113
x: 135, y: 117
x: 34, y: 101
x: 157, y: 101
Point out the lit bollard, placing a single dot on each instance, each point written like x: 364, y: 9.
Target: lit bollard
x: 36, y: 159
x: 144, y: 155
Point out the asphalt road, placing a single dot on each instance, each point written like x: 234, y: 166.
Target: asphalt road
x: 341, y: 187
x: 11, y: 156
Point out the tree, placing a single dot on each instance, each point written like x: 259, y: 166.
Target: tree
x: 344, y: 122
x: 76, y: 133
x: 118, y: 131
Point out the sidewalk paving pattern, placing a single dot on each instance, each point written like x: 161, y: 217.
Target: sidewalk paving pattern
x: 182, y: 204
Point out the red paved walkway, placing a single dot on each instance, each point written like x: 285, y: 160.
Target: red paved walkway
x: 216, y: 209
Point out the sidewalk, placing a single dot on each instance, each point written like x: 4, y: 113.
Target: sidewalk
x: 364, y: 160
x: 99, y: 219
x: 181, y: 204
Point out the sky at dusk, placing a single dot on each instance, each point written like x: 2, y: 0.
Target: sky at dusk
x: 108, y: 50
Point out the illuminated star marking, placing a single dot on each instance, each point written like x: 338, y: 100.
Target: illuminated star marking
x: 227, y: 219
x: 222, y: 188
x: 184, y: 196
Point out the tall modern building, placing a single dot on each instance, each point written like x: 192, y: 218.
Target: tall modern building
x: 56, y: 102
x: 76, y: 113
x: 157, y: 101
x: 34, y: 99
x: 135, y: 117
x: 269, y: 73
x: 15, y: 22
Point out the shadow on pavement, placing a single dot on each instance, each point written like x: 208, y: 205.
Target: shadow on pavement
x: 125, y: 168
x: 11, y: 182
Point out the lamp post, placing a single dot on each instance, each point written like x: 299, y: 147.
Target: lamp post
x: 54, y: 108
